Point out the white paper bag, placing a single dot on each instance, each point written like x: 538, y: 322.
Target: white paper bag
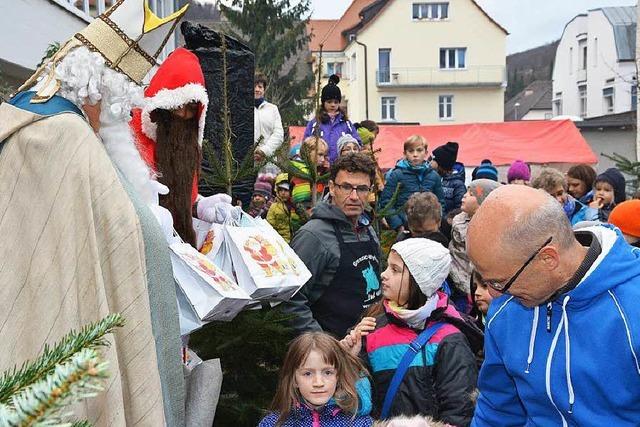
x: 263, y: 266
x: 211, y: 293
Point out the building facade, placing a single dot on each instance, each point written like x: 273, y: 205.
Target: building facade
x: 595, y: 72
x: 30, y: 26
x: 402, y: 61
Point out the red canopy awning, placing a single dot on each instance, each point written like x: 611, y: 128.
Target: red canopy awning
x: 535, y: 142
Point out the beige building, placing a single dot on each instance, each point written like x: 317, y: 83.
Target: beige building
x: 401, y: 61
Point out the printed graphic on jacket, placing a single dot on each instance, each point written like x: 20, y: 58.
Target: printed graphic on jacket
x: 370, y: 277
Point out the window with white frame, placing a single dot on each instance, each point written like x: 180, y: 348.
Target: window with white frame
x: 384, y: 65
x: 453, y: 58
x: 634, y: 97
x: 582, y: 100
x: 388, y: 108
x: 608, y: 98
x: 334, y: 68
x: 432, y: 11
x: 445, y: 107
x: 557, y: 104
x: 582, y: 51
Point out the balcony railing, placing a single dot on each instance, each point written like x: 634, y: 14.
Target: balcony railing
x: 426, y: 77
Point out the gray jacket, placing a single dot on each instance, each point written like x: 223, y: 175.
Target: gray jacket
x: 317, y: 246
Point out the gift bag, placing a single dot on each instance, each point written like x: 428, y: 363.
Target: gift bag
x: 265, y: 266
x: 301, y: 272
x: 211, y: 293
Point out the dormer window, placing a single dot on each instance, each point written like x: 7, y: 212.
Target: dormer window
x: 431, y: 11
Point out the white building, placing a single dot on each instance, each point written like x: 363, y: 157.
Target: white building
x: 595, y: 72
x: 29, y: 26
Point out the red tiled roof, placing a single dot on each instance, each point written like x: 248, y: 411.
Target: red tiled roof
x: 328, y: 32
x: 537, y: 142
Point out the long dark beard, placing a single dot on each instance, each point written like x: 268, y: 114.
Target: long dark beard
x: 178, y: 158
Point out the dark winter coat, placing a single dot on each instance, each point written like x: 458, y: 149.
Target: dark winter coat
x: 453, y: 187
x: 331, y: 132
x: 329, y: 416
x: 412, y: 179
x: 317, y: 246
x: 440, y: 380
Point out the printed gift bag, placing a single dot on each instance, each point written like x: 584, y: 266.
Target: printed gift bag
x: 211, y: 293
x: 265, y: 266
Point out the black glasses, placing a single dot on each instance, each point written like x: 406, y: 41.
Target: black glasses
x: 361, y: 190
x: 500, y: 287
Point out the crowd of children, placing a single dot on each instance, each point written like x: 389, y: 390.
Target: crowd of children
x: 433, y: 305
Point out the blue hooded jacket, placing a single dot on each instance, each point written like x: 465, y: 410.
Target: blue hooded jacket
x: 578, y: 367
x: 413, y: 179
x: 453, y: 187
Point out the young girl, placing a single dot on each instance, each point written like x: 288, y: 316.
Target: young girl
x: 442, y: 376
x: 317, y: 386
x: 333, y: 121
x: 314, y: 151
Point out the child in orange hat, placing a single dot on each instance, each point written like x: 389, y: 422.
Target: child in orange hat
x: 626, y: 216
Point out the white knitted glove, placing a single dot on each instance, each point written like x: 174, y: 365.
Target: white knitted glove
x: 215, y: 208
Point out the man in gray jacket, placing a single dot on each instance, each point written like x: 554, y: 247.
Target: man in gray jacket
x: 342, y: 252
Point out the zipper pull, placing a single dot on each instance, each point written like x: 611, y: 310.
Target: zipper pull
x: 549, y: 312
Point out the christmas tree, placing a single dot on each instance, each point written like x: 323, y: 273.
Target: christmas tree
x: 38, y: 393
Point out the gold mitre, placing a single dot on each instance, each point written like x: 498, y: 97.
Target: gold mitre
x: 129, y: 36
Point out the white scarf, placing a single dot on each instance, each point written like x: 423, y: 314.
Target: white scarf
x: 416, y: 318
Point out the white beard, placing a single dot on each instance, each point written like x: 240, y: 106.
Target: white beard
x: 120, y: 144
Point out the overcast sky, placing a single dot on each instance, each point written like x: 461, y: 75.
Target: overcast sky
x: 530, y: 23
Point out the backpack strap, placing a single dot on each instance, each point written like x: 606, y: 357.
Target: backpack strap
x: 414, y: 348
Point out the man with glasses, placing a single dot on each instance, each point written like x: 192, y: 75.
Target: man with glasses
x: 341, y: 250
x: 562, y: 337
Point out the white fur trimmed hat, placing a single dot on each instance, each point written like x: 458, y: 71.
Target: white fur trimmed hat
x: 428, y: 262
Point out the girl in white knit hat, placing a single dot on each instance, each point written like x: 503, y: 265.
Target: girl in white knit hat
x: 439, y: 374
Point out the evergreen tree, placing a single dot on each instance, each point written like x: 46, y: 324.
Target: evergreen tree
x: 39, y: 392
x: 276, y: 32
x: 628, y: 167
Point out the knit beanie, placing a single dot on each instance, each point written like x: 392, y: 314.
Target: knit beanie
x: 626, y: 216
x: 613, y: 177
x: 366, y: 136
x: 331, y: 90
x: 486, y: 170
x: 344, y: 140
x: 480, y: 188
x: 518, y: 170
x: 262, y: 187
x: 446, y: 155
x: 428, y: 262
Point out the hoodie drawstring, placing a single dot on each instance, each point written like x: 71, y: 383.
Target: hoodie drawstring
x: 532, y: 338
x: 567, y: 348
x: 564, y: 324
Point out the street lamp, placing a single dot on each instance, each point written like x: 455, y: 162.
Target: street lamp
x: 517, y: 104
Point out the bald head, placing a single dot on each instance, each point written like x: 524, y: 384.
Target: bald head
x: 519, y: 218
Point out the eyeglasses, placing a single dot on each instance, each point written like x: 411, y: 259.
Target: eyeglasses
x: 500, y: 287
x: 361, y: 190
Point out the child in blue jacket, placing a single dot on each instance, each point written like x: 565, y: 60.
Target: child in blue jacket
x: 414, y: 175
x: 319, y: 386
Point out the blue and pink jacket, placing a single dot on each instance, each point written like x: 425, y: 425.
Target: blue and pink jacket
x: 441, y: 378
x: 331, y: 132
x: 329, y: 416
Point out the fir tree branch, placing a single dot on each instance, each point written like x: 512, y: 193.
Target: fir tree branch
x: 42, y: 403
x: 90, y: 336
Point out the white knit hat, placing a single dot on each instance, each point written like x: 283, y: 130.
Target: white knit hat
x: 428, y: 262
